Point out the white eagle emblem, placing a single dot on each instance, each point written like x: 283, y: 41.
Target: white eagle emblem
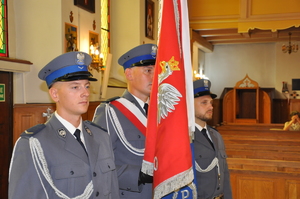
x: 153, y: 51
x: 168, y: 95
x: 80, y: 59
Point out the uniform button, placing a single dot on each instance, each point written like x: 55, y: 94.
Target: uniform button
x: 94, y: 174
x: 72, y: 172
x: 139, y: 136
x: 122, y: 193
x: 218, y: 188
x: 128, y: 188
x: 200, y: 156
x: 108, y: 166
x: 97, y: 193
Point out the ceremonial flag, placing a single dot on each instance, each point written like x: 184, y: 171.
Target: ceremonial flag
x: 168, y: 156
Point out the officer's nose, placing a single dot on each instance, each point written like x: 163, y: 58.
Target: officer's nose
x: 86, y: 92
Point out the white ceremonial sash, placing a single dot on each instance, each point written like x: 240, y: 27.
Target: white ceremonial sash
x: 131, y: 112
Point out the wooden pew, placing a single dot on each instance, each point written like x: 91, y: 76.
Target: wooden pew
x: 280, y: 166
x: 261, y: 179
x: 278, y: 148
x: 261, y: 137
x: 263, y: 163
x: 249, y: 126
x: 263, y: 154
x: 262, y: 144
x: 271, y: 141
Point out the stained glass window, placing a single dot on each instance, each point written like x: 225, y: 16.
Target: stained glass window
x: 3, y: 28
x: 105, y: 34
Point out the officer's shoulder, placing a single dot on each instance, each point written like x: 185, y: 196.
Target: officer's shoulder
x: 94, y: 124
x: 111, y: 99
x: 33, y: 130
x: 213, y: 128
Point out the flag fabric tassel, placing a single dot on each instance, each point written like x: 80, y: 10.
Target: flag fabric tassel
x: 168, y: 154
x: 188, y: 191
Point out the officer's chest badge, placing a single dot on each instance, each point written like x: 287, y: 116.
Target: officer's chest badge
x: 62, y: 133
x: 88, y: 130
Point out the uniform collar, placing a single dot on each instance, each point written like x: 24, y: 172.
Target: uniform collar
x: 200, y: 127
x: 68, y: 125
x: 205, y: 127
x: 141, y: 102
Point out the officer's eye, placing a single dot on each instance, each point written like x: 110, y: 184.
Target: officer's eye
x: 207, y: 103
x: 148, y: 71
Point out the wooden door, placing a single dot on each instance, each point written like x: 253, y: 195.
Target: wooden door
x: 6, y: 128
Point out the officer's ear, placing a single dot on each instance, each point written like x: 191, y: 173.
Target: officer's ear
x: 53, y: 91
x: 128, y: 74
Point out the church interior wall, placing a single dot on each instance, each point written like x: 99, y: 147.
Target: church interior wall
x: 228, y: 64
x: 36, y: 34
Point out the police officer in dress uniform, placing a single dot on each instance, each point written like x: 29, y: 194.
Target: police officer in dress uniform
x: 122, y: 118
x: 212, y: 171
x: 48, y: 161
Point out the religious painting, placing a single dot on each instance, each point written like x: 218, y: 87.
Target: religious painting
x: 94, y: 43
x: 88, y: 5
x: 149, y: 22
x: 71, y: 38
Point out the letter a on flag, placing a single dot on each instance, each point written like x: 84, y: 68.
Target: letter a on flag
x: 168, y: 155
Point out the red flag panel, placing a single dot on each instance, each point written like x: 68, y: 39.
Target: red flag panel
x: 167, y: 139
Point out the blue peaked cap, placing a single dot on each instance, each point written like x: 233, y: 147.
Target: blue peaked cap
x: 202, y: 87
x: 142, y: 55
x: 70, y: 66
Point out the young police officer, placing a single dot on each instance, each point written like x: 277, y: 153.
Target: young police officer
x: 49, y: 161
x: 125, y: 120
x: 212, y: 171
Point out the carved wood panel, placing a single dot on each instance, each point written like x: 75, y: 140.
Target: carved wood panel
x: 293, y: 189
x: 255, y: 187
x: 247, y: 184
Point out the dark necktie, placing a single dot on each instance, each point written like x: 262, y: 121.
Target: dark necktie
x: 77, y: 135
x: 203, y: 131
x: 146, y: 108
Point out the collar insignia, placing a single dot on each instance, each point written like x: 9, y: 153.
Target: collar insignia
x: 62, y: 132
x: 88, y: 130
